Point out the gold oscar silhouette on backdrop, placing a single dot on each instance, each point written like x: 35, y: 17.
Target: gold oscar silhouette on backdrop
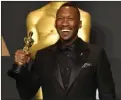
x: 5, y: 51
x: 41, y: 23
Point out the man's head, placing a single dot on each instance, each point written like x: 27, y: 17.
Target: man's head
x: 67, y: 21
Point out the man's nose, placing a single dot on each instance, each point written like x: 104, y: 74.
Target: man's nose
x: 65, y: 22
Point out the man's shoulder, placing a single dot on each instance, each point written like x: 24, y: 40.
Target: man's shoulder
x: 95, y: 53
x: 95, y: 49
x: 47, y: 49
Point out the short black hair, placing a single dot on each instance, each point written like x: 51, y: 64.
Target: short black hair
x: 70, y: 4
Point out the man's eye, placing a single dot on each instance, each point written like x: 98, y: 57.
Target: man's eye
x: 70, y: 18
x: 60, y: 18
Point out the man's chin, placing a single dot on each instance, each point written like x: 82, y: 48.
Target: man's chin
x: 66, y: 39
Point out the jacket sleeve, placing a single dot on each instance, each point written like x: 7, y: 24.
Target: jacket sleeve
x: 104, y: 78
x: 29, y: 81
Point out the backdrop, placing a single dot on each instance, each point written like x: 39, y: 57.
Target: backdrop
x: 105, y: 31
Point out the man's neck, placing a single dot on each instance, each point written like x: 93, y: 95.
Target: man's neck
x: 66, y: 43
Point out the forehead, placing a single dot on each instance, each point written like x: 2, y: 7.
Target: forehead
x: 67, y: 10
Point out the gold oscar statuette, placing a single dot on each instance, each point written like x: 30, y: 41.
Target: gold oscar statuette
x: 28, y: 43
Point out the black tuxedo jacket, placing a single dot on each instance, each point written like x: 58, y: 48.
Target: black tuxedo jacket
x: 91, y: 71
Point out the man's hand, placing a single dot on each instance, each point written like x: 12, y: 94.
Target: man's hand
x: 21, y: 57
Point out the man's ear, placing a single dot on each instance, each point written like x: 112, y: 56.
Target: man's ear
x: 80, y: 24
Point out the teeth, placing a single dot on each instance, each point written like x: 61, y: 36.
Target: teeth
x: 65, y: 30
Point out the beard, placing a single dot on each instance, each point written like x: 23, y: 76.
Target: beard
x: 71, y: 38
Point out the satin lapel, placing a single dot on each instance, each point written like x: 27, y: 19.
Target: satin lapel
x: 74, y: 74
x: 78, y: 66
x: 61, y: 60
x: 58, y: 76
x: 82, y: 53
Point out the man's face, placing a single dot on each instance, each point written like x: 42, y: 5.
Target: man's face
x: 67, y: 22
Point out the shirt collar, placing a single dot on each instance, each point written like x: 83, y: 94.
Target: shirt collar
x: 70, y: 47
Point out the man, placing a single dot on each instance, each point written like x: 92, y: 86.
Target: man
x: 69, y: 70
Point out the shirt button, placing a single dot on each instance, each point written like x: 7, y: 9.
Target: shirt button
x: 67, y: 55
x: 67, y: 69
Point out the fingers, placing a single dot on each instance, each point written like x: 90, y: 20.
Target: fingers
x: 28, y: 59
x: 21, y: 57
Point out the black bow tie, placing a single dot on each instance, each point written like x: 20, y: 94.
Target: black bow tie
x: 68, y: 47
x: 69, y: 51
